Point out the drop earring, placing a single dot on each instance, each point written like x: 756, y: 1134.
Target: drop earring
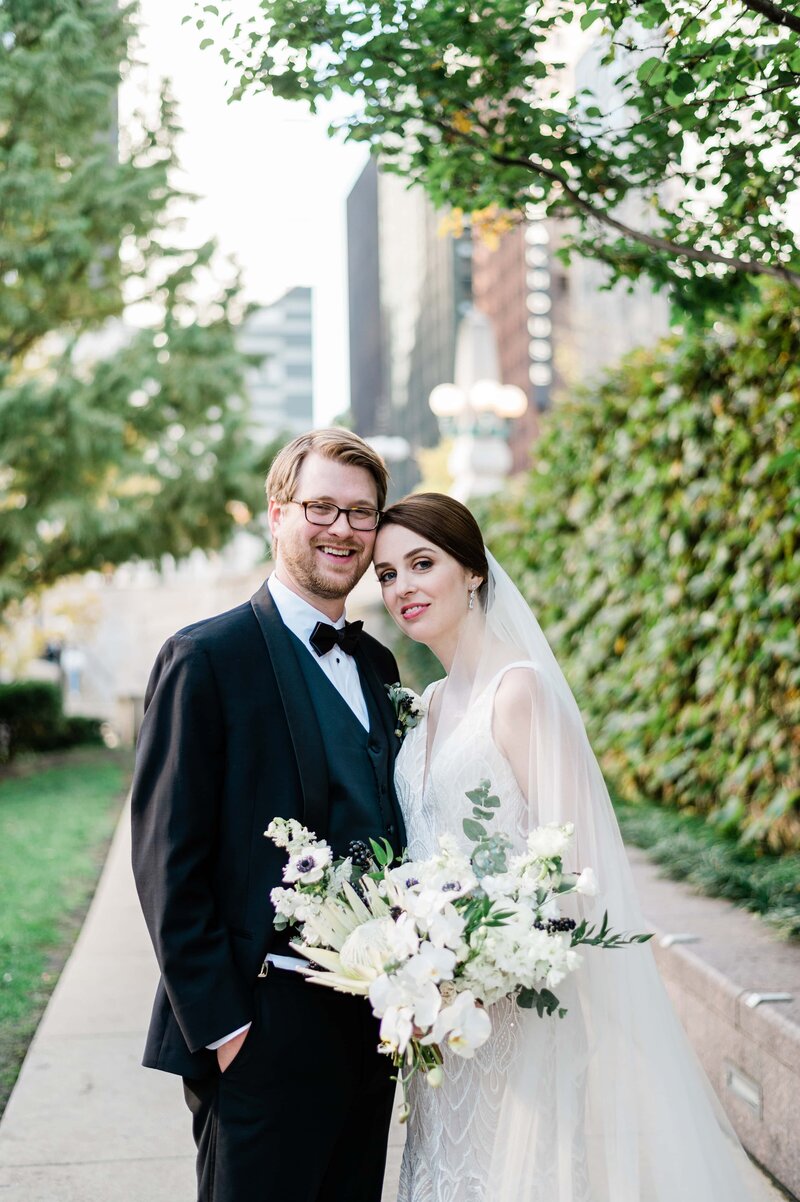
x: 471, y: 599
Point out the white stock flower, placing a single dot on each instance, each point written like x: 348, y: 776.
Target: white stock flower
x: 464, y: 1026
x: 287, y: 832
x: 307, y: 864
x: 587, y: 883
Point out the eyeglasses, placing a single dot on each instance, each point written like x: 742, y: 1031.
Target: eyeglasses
x: 324, y: 513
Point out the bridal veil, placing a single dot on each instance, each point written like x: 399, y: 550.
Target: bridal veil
x: 608, y: 1104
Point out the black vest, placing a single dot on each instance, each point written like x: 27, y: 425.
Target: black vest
x: 361, y: 797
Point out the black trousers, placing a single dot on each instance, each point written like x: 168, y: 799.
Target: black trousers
x: 302, y: 1113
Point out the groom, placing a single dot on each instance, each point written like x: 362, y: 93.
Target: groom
x: 275, y: 708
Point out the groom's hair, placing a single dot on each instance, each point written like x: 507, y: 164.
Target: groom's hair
x: 334, y: 443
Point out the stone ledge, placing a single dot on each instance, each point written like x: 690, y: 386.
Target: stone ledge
x: 750, y: 1053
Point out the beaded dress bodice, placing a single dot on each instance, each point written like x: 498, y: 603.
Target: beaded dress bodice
x: 451, y: 1129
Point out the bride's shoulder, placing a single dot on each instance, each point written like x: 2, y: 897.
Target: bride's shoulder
x: 516, y: 686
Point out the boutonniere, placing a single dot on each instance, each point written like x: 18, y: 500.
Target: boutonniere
x: 408, y: 708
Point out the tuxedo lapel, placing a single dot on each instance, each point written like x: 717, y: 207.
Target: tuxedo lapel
x: 300, y: 716
x: 371, y: 681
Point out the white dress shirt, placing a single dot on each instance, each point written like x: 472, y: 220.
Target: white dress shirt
x: 340, y: 669
x: 301, y: 618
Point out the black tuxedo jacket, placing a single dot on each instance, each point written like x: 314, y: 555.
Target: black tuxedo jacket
x: 229, y: 740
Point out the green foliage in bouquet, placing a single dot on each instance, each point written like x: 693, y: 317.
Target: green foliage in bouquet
x: 657, y: 539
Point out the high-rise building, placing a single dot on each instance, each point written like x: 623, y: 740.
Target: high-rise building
x: 280, y: 386
x: 408, y: 288
x: 369, y: 401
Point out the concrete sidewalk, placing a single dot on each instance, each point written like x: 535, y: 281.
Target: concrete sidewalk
x: 85, y: 1122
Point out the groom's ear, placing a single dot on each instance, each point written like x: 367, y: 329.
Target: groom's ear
x: 274, y: 515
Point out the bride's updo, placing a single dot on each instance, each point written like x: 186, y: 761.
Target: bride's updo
x: 448, y: 525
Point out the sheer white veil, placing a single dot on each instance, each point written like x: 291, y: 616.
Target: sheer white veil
x: 610, y: 1103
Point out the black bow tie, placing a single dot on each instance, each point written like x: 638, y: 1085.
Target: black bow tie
x: 324, y: 637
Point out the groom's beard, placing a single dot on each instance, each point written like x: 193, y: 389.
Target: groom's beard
x: 317, y: 578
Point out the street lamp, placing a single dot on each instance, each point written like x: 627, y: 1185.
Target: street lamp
x: 478, y: 408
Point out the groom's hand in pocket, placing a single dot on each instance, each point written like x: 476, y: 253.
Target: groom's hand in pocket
x: 228, y: 1052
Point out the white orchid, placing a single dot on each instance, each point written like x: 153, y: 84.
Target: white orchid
x: 463, y: 1026
x: 421, y: 999
x: 397, y: 1028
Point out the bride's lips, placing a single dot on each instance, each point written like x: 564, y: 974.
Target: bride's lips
x: 409, y: 612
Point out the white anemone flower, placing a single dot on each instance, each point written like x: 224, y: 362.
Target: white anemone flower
x: 307, y: 864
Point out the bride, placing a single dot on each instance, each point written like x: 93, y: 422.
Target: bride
x: 609, y: 1103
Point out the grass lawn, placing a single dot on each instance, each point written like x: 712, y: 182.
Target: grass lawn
x: 57, y: 814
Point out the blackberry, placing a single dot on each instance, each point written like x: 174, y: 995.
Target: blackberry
x: 560, y: 924
x: 359, y: 853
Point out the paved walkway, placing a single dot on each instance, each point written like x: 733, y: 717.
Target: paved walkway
x: 85, y: 1122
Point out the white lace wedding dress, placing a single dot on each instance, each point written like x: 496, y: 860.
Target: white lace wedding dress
x: 610, y: 1103
x: 451, y: 1129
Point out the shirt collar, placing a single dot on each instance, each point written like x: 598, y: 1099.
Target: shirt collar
x: 296, y: 613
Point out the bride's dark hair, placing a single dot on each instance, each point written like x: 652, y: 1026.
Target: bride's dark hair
x: 447, y: 524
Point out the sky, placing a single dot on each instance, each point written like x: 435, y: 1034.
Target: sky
x: 271, y: 185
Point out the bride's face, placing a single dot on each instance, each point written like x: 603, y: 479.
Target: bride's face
x: 425, y: 590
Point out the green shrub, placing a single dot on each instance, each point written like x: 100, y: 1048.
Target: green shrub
x: 657, y: 540
x: 32, y: 719
x: 689, y: 850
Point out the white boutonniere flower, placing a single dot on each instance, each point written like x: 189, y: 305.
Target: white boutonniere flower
x: 408, y: 708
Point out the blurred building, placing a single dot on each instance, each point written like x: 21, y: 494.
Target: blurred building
x: 368, y: 393
x: 408, y: 288
x: 503, y: 287
x: 280, y: 386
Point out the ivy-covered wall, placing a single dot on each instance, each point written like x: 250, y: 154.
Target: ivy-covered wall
x: 658, y: 539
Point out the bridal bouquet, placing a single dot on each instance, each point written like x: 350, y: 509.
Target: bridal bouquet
x: 433, y: 942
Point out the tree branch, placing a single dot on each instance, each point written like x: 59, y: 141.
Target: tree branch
x: 732, y: 262
x: 777, y: 16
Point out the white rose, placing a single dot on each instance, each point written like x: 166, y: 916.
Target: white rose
x: 587, y: 883
x: 546, y: 842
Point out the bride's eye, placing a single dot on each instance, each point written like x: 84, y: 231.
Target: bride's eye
x: 423, y: 563
x: 386, y: 578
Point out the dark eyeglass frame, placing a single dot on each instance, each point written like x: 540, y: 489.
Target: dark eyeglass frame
x: 339, y: 509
